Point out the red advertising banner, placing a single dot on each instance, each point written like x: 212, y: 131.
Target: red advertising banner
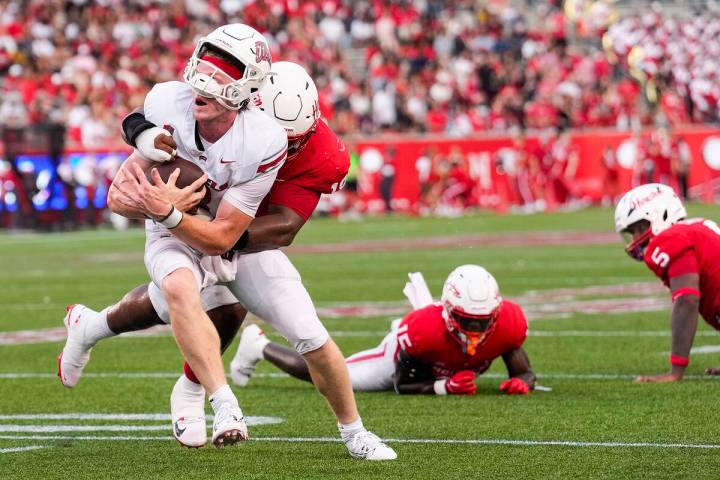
x: 501, y: 171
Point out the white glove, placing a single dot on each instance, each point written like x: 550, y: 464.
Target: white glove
x: 417, y: 291
x: 145, y: 143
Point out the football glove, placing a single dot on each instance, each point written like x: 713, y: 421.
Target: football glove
x: 515, y: 386
x: 462, y: 383
x: 156, y: 144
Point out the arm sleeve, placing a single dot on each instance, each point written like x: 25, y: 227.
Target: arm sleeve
x: 246, y: 197
x: 410, y: 370
x: 295, y: 197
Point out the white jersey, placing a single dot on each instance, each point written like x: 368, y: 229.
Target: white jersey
x: 241, y: 166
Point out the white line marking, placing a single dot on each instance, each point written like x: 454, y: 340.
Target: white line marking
x: 24, y: 337
x: 157, y: 417
x: 481, y: 441
x: 22, y: 449
x: 705, y: 349
x: 555, y: 376
x: 80, y: 428
x: 610, y: 333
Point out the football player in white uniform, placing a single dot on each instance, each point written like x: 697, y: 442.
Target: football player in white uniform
x: 266, y: 281
x: 240, y: 150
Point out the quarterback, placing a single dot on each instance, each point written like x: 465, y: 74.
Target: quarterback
x: 439, y: 348
x: 683, y: 253
x: 266, y: 282
x: 240, y: 150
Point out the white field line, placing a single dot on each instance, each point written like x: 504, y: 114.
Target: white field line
x: 481, y: 441
x: 153, y: 417
x: 22, y: 449
x: 174, y: 375
x: 24, y: 337
x: 705, y: 350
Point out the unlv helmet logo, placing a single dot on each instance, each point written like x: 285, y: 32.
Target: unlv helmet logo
x: 262, y: 52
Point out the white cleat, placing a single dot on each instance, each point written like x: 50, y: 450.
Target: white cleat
x: 368, y: 446
x: 76, y: 353
x: 249, y: 353
x: 187, y: 408
x: 229, y: 426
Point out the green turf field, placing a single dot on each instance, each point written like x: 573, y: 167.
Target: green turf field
x: 585, y: 345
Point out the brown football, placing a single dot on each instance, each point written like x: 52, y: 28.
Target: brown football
x: 189, y: 172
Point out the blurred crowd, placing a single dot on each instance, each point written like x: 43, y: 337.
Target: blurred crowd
x: 677, y: 59
x: 71, y: 69
x: 457, y: 68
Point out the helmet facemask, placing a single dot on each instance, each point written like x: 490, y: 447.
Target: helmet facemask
x: 637, y: 237
x: 470, y: 330
x: 232, y: 95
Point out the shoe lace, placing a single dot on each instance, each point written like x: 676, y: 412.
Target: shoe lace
x: 365, y: 442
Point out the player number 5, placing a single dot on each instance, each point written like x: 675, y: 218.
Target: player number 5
x: 660, y: 258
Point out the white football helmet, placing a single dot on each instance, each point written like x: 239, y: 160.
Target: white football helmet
x: 471, y: 301
x: 251, y: 57
x: 653, y: 202
x: 290, y: 97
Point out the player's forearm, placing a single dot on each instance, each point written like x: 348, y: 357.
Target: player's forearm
x: 211, y: 238
x: 424, y: 388
x: 268, y: 232
x: 683, y: 326
x: 116, y: 206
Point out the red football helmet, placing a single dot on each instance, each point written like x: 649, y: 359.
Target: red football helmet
x: 471, y: 303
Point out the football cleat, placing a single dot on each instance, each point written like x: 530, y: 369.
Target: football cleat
x: 187, y: 408
x: 368, y: 446
x: 229, y: 426
x: 76, y: 353
x: 249, y: 353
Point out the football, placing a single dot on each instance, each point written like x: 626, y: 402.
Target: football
x: 189, y: 172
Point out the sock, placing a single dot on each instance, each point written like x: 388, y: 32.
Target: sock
x: 189, y: 374
x: 347, y: 431
x: 190, y: 386
x: 222, y: 395
x: 96, y: 327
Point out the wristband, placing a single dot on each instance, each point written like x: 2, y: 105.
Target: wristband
x: 679, y: 361
x: 172, y: 219
x: 242, y: 242
x: 685, y: 291
x: 440, y: 387
x: 133, y: 125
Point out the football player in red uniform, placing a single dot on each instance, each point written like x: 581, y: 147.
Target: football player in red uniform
x: 684, y: 254
x: 266, y: 282
x: 439, y: 348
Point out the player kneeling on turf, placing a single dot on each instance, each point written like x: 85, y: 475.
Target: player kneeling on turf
x: 438, y: 348
x: 684, y: 254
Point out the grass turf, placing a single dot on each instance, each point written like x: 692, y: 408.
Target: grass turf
x: 42, y: 273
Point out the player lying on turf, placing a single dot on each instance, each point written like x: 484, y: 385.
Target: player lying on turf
x: 267, y: 283
x: 439, y: 348
x: 684, y: 254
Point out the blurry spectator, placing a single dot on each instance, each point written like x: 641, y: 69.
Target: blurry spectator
x: 424, y: 166
x: 448, y: 67
x: 611, y: 170
x: 681, y: 157
x: 387, y: 178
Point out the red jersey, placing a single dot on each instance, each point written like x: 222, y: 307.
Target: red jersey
x: 318, y: 168
x: 690, y: 246
x: 423, y: 336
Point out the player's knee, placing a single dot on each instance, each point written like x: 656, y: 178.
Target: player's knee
x: 180, y: 290
x: 321, y: 344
